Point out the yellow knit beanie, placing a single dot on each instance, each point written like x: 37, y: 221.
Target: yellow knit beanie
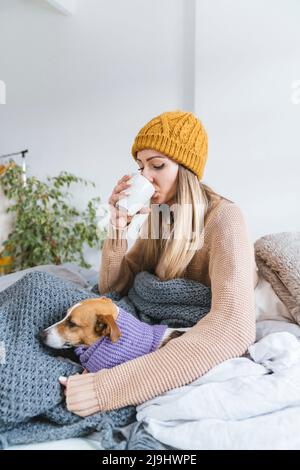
x: 177, y: 134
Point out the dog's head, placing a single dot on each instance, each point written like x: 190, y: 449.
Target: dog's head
x: 84, y: 324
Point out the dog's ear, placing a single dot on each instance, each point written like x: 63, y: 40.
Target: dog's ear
x: 106, y: 326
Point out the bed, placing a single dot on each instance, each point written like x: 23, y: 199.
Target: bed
x: 272, y: 319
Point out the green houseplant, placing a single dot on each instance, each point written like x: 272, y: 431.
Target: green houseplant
x: 48, y: 229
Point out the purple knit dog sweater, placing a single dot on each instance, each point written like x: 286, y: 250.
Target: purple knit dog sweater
x: 137, y: 338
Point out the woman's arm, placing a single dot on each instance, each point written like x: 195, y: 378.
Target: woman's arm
x: 118, y: 268
x: 224, y: 333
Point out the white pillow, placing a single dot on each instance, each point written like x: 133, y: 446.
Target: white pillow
x: 268, y: 304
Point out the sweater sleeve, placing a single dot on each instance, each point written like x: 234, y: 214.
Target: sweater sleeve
x: 224, y: 333
x: 118, y: 268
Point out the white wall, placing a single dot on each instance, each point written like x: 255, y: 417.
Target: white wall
x: 67, y: 7
x: 247, y: 57
x: 80, y: 87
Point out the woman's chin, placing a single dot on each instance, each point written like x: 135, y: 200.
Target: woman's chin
x: 156, y: 199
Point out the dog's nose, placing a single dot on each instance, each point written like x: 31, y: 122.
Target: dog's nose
x: 43, y: 335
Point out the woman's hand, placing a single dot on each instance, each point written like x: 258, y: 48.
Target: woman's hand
x: 121, y: 219
x: 81, y: 397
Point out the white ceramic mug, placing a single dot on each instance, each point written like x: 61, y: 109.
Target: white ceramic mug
x: 139, y: 194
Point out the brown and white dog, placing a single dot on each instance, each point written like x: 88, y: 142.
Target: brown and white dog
x: 87, y: 321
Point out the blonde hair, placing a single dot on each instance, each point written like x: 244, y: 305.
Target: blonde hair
x: 169, y: 257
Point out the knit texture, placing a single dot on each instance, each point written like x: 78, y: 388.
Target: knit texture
x: 137, y: 338
x: 32, y: 404
x: 179, y: 135
x: 225, y: 263
x: 176, y: 303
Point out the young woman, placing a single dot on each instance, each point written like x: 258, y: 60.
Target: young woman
x: 171, y: 152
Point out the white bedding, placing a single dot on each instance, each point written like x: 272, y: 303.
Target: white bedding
x: 237, y: 405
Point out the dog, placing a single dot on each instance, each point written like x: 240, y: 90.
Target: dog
x: 105, y: 335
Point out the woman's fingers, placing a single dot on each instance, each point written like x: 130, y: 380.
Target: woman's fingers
x: 117, y: 213
x: 119, y: 218
x: 120, y: 222
x: 121, y: 186
x: 63, y: 380
x: 122, y: 218
x: 117, y: 222
x: 124, y: 178
x: 116, y: 196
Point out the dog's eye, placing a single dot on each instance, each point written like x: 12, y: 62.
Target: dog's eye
x: 71, y: 324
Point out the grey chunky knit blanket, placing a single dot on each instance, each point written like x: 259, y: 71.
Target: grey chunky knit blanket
x: 278, y: 260
x: 176, y: 303
x: 32, y: 405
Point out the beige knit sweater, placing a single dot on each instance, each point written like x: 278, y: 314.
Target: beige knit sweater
x: 226, y: 263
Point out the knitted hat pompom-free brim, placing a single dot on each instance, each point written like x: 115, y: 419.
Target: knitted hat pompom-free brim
x: 179, y: 135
